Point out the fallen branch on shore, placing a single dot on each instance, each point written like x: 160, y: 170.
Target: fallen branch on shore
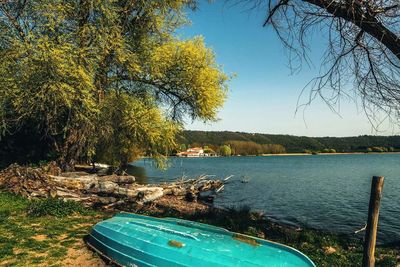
x: 107, y: 191
x: 360, y: 230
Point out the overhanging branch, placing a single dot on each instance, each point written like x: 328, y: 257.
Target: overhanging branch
x: 365, y: 21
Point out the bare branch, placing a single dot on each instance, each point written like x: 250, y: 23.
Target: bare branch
x: 362, y: 56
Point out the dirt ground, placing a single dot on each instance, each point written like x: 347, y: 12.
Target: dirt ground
x: 83, y: 257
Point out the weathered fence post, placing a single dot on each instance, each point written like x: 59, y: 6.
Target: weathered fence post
x: 372, y: 223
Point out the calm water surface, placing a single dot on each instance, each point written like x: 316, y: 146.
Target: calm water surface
x: 329, y: 192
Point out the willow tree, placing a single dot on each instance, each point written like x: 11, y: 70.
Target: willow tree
x: 100, y: 78
x: 362, y: 53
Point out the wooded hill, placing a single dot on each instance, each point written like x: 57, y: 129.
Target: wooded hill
x: 292, y: 143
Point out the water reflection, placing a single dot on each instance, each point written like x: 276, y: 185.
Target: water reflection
x: 139, y: 173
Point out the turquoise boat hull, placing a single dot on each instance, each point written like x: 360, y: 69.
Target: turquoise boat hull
x: 137, y: 240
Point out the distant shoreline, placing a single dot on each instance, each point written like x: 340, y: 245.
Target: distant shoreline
x: 294, y: 154
x: 336, y: 153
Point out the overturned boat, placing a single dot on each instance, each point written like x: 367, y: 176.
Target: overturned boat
x: 137, y: 240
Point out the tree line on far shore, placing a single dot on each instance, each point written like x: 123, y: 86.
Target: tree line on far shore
x: 234, y: 148
x: 241, y: 143
x: 245, y: 148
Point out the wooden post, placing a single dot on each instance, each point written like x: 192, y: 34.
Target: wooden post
x: 372, y: 223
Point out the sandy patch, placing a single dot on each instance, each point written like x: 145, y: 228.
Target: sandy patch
x: 82, y: 257
x: 62, y: 237
x: 9, y: 262
x: 38, y: 254
x: 17, y: 251
x: 39, y: 237
x: 329, y: 250
x: 84, y: 224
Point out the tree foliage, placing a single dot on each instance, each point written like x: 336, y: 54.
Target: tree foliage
x: 225, y: 151
x: 251, y: 148
x: 103, y: 79
x: 127, y: 124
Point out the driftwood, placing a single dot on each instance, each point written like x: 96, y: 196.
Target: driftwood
x: 95, y: 190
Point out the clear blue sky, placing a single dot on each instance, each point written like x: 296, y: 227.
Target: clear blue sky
x: 263, y: 96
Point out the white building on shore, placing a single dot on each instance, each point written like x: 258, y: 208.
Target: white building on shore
x: 194, y: 152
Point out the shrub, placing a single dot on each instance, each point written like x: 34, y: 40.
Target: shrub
x: 225, y: 151
x: 11, y: 202
x: 207, y: 149
x: 4, y: 214
x: 55, y: 207
x: 388, y: 260
x: 379, y: 149
x: 182, y: 147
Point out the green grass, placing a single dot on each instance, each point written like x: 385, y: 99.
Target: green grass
x: 36, y: 233
x: 56, y: 207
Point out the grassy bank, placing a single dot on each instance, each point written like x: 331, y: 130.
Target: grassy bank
x: 44, y: 234
x: 49, y: 233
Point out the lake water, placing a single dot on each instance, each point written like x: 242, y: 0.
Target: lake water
x: 329, y: 192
